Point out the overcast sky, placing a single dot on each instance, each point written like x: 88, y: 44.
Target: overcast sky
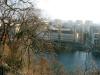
x: 72, y: 9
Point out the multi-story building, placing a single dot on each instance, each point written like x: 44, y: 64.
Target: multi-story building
x: 87, y: 26
x: 65, y: 35
x: 66, y: 31
x: 79, y: 31
x: 95, y: 35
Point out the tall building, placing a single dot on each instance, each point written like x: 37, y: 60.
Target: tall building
x: 79, y: 31
x: 87, y: 25
x: 95, y: 35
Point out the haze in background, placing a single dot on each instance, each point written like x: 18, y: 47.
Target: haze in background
x: 71, y: 9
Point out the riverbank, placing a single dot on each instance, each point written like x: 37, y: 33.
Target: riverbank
x: 68, y: 47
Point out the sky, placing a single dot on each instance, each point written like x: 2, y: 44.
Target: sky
x: 71, y: 9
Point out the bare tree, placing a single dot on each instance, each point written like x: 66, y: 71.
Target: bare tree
x: 19, y: 37
x: 15, y: 43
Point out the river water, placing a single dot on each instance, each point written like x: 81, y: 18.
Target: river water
x: 79, y: 59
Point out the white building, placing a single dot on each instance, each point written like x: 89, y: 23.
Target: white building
x: 59, y: 34
x: 95, y: 35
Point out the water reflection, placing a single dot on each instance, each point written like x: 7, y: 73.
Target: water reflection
x: 79, y: 59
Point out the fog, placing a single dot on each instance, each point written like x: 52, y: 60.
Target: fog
x: 71, y: 9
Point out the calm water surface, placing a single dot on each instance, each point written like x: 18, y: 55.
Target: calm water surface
x: 79, y: 59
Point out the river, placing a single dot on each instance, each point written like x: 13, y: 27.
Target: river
x: 79, y: 59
